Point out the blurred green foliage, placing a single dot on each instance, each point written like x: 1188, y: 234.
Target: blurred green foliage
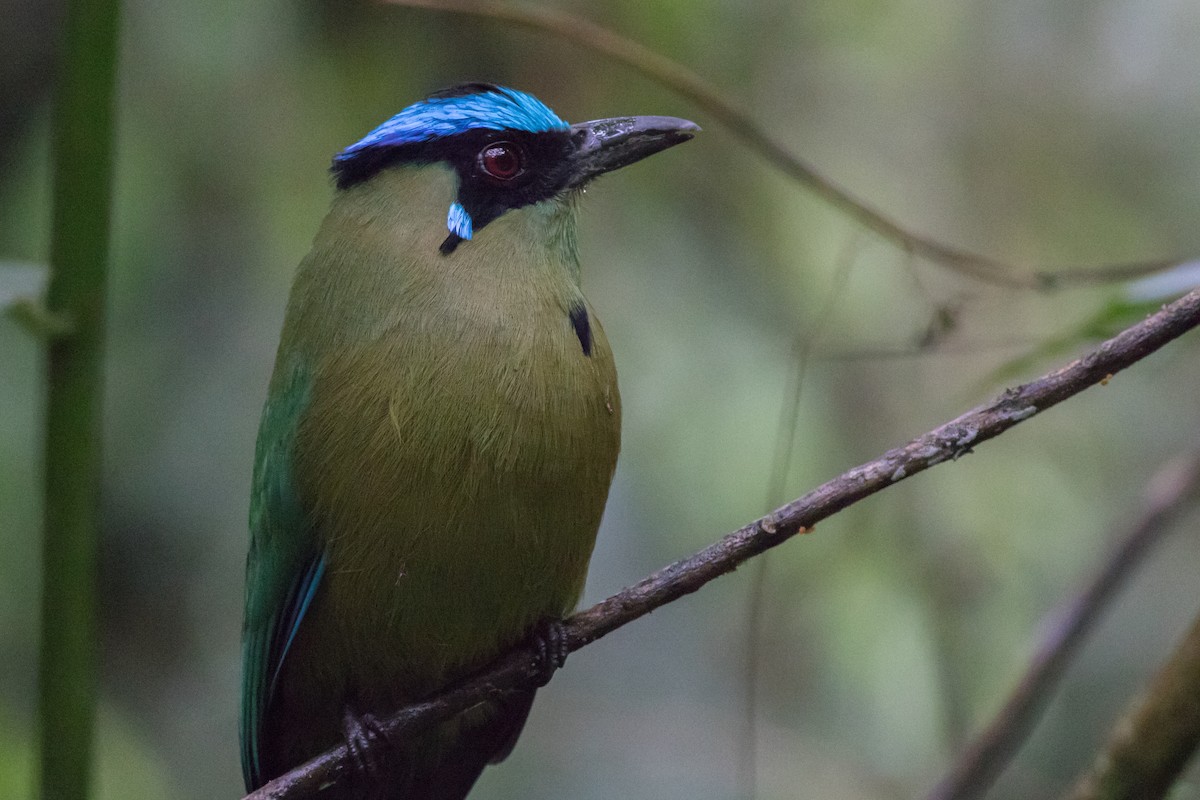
x: 1039, y: 132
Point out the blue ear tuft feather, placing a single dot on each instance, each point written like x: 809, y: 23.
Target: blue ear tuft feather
x: 458, y: 221
x: 451, y: 112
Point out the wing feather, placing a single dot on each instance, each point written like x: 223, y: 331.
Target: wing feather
x: 284, y: 566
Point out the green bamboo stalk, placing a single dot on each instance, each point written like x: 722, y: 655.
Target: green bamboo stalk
x: 82, y: 152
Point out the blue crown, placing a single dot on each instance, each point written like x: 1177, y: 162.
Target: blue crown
x: 457, y: 110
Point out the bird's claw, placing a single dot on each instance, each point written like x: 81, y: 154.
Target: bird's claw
x: 549, y: 640
x: 365, y: 741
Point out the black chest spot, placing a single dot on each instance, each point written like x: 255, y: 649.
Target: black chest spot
x: 583, y: 327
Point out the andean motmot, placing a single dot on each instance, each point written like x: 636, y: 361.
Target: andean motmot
x: 438, y: 439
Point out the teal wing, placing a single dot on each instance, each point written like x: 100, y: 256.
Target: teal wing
x: 283, y: 569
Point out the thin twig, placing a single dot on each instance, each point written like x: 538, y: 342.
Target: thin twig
x: 1152, y: 743
x: 1166, y: 495
x: 781, y: 464
x: 689, y: 85
x: 39, y: 321
x: 946, y: 442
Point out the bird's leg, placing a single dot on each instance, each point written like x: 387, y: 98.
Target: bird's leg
x: 549, y: 641
x: 367, y: 744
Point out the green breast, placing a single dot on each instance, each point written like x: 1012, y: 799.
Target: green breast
x: 457, y: 449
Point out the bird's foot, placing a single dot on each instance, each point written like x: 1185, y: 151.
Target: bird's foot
x: 549, y: 640
x: 367, y: 744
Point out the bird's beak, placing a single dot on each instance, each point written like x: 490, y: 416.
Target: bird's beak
x: 603, y: 145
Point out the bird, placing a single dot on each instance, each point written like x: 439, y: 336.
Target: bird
x: 440, y: 433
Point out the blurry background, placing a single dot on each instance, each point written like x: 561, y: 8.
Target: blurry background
x: 1040, y: 132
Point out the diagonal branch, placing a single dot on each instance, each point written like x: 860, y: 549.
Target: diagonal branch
x: 1166, y: 496
x: 1149, y: 747
x: 944, y: 443
x: 691, y: 86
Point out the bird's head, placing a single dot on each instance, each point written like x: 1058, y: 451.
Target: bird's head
x: 507, y: 148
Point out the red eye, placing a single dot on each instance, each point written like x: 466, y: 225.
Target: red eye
x: 501, y: 160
